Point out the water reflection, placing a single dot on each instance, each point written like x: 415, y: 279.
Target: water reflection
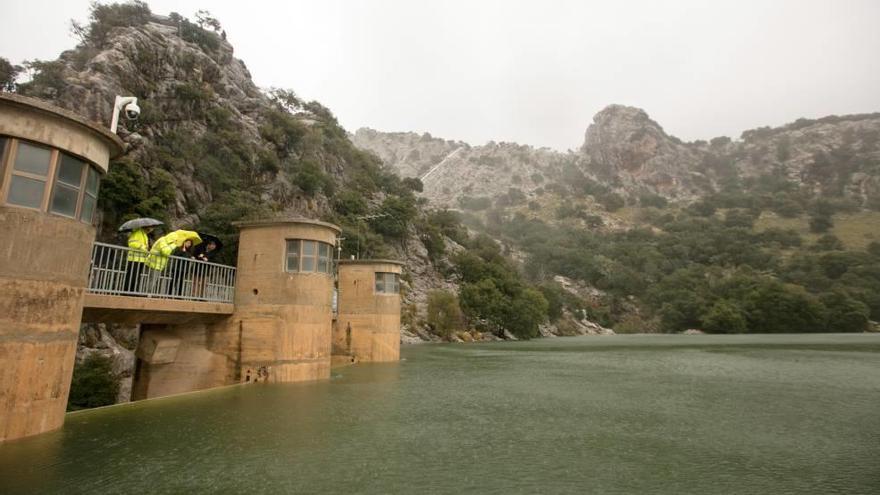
x: 749, y: 414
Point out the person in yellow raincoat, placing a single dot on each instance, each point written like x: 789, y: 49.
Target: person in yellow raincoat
x: 161, y: 251
x: 139, y: 251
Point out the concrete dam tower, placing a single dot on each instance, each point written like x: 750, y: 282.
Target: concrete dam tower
x: 51, y: 164
x: 283, y: 299
x: 368, y: 322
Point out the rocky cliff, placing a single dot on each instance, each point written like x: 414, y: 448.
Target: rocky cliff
x: 627, y: 153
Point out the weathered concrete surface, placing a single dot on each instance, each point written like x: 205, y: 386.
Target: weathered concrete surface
x: 279, y: 330
x: 132, y: 310
x: 175, y: 359
x: 35, y: 120
x: 368, y: 323
x: 284, y: 319
x: 44, y: 262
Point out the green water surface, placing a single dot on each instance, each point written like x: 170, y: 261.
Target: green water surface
x: 676, y: 414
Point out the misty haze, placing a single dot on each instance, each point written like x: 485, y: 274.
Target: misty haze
x: 440, y: 247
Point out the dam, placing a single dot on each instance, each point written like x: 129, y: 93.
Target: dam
x: 269, y: 319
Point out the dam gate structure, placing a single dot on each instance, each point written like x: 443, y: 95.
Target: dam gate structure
x: 269, y: 319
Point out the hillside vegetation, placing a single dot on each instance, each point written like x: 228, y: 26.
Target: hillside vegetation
x: 778, y: 231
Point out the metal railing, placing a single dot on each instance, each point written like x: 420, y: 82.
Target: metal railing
x: 118, y: 270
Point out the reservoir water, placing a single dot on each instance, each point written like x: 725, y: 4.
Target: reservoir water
x: 622, y: 414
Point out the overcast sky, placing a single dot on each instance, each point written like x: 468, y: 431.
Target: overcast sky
x: 533, y: 72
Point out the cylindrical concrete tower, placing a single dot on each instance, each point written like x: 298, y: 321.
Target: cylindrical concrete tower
x: 368, y: 321
x: 283, y: 297
x: 51, y: 163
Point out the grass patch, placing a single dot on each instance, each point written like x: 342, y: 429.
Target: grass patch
x: 855, y: 230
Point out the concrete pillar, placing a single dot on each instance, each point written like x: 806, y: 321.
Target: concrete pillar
x: 44, y: 255
x: 283, y: 297
x: 368, y: 321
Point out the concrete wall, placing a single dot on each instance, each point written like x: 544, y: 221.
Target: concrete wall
x: 37, y: 121
x: 175, y: 359
x: 44, y: 263
x: 279, y: 330
x: 368, y: 323
x: 284, y: 318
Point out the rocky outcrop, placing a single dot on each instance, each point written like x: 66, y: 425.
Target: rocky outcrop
x: 627, y: 152
x: 452, y: 170
x: 116, y: 343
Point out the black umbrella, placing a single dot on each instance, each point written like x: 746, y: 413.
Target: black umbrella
x: 206, y: 238
x: 138, y: 223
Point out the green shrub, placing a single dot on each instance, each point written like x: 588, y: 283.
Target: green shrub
x: 310, y: 178
x: 724, y: 317
x: 444, y: 314
x: 652, y: 200
x: 845, y: 314
x: 104, y: 17
x: 93, y: 384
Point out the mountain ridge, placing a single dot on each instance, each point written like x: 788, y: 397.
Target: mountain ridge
x: 630, y: 154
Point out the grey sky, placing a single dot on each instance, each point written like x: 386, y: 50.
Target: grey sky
x: 533, y: 72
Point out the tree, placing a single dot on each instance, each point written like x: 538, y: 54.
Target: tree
x: 739, y: 218
x: 396, y: 213
x: 483, y: 300
x: 611, y: 201
x: 413, y: 184
x: 772, y: 307
x: 104, y: 17
x: 8, y: 74
x: 310, y: 178
x: 444, y: 314
x: 820, y: 223
x: 524, y: 313
x: 724, y: 317
x: 845, y: 314
x: 206, y: 21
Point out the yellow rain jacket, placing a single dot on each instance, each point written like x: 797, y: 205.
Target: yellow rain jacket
x: 165, y: 245
x: 139, y: 245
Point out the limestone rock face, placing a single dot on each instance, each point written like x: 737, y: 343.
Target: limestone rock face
x: 628, y: 153
x: 624, y: 146
x: 451, y: 170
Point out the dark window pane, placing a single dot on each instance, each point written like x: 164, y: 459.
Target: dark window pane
x: 88, y: 208
x: 70, y: 171
x: 380, y: 282
x: 323, y: 265
x: 32, y: 159
x: 3, y: 141
x: 64, y: 201
x: 24, y: 191
x: 93, y: 181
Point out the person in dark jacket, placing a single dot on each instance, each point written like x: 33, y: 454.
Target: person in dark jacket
x: 205, y: 251
x: 181, y: 267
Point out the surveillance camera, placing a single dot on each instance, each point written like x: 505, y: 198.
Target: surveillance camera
x: 132, y: 111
